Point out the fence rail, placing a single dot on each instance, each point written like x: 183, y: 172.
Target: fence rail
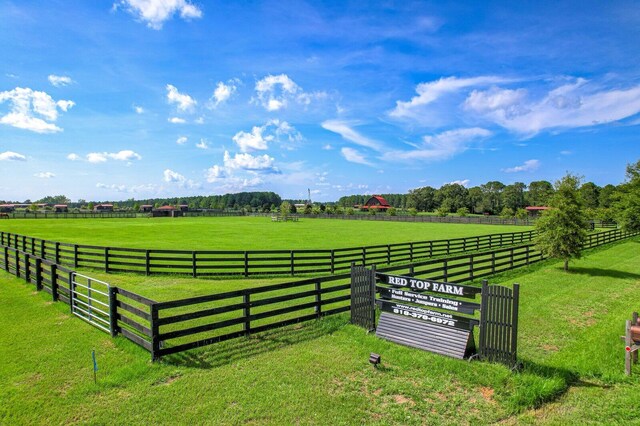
x: 207, y: 263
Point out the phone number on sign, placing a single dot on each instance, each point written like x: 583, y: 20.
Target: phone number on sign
x: 425, y: 317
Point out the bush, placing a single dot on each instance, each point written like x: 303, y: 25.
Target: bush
x: 463, y: 212
x: 522, y: 214
x: 413, y: 212
x: 392, y: 211
x: 507, y: 213
x: 372, y: 212
x: 350, y: 211
x: 339, y: 210
x: 442, y: 212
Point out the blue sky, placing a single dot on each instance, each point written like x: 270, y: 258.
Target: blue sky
x: 107, y: 100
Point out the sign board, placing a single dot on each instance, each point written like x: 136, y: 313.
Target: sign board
x: 429, y: 300
x: 434, y: 317
x: 432, y: 286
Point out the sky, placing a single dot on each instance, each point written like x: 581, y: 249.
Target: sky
x: 112, y: 100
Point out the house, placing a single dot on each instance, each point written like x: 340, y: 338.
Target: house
x: 183, y: 207
x: 536, y: 211
x: 7, y: 208
x: 376, y: 203
x: 60, y: 208
x: 103, y: 208
x: 146, y: 208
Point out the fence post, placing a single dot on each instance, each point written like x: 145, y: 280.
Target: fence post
x: 38, y: 274
x: 246, y: 264
x: 388, y: 254
x: 147, y: 263
x: 246, y: 312
x: 106, y: 260
x: 6, y: 258
x: 54, y: 282
x: 194, y: 270
x: 27, y: 267
x: 482, y: 344
x: 514, y: 322
x: 318, y: 299
x: 113, y: 311
x: 155, y: 332
x: 333, y: 259
x: 511, y: 258
x: 57, y: 253
x: 17, y: 255
x: 411, y: 252
x: 33, y: 246
x: 293, y: 264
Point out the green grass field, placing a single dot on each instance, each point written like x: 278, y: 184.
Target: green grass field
x: 241, y: 233
x: 317, y: 373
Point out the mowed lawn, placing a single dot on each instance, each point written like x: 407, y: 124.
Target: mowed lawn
x: 317, y: 373
x: 241, y: 233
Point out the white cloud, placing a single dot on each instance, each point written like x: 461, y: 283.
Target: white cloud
x: 440, y: 146
x: 258, y: 163
x: 181, y: 140
x: 565, y: 152
x: 135, y: 189
x: 101, y: 157
x: 12, y: 156
x: 60, y: 80
x: 32, y: 110
x: 156, y: 12
x: 327, y: 147
x: 275, y: 92
x: 343, y: 128
x: 260, y: 136
x: 171, y: 176
x: 177, y: 120
x: 202, y: 144
x: 138, y: 109
x: 463, y: 182
x: 571, y: 105
x: 73, y: 157
x: 223, y: 91
x: 354, y: 156
x: 528, y: 166
x: 114, y: 187
x: 45, y: 175
x: 428, y: 93
x: 215, y: 173
x: 183, y: 102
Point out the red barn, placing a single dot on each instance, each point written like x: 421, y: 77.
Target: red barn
x: 376, y: 203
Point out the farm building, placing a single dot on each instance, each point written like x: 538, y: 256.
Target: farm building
x: 103, y: 208
x: 536, y: 210
x: 146, y: 208
x: 7, y: 208
x: 376, y: 203
x: 166, y: 211
x: 60, y: 208
x: 183, y: 207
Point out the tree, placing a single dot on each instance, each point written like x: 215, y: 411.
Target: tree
x: 285, y: 209
x: 507, y: 212
x: 513, y: 196
x: 627, y: 201
x: 463, y: 212
x: 422, y: 199
x: 562, y: 230
x: 539, y: 193
x: 492, y: 197
x: 590, y: 193
x: 452, y: 196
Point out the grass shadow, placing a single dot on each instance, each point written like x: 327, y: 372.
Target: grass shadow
x: 599, y: 272
x: 224, y: 353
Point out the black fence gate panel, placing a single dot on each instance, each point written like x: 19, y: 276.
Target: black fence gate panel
x: 499, y: 323
x: 363, y: 295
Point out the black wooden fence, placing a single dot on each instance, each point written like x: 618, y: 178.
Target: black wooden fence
x: 165, y: 328
x: 206, y: 263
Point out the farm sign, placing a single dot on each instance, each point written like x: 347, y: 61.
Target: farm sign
x: 426, y: 285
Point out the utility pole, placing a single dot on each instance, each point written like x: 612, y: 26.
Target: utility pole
x: 309, y: 191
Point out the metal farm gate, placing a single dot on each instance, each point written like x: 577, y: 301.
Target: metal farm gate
x: 91, y: 300
x: 363, y: 296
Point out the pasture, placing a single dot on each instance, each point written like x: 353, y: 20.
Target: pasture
x: 241, y: 233
x: 317, y: 373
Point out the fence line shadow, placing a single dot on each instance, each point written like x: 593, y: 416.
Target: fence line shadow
x: 600, y: 272
x: 224, y: 353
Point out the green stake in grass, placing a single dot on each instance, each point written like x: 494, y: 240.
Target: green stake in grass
x: 95, y: 366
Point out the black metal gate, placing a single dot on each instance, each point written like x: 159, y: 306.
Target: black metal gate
x: 363, y: 296
x: 499, y: 323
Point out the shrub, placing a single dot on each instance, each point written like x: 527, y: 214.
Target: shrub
x: 350, y: 211
x: 507, y: 213
x: 462, y: 212
x: 442, y: 212
x: 413, y: 212
x: 392, y: 211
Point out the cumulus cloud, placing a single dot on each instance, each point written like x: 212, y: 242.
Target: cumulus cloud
x: 275, y: 92
x: 101, y: 157
x: 463, y: 182
x: 170, y: 176
x: 12, y: 156
x: 260, y: 136
x: 138, y: 109
x: 181, y: 140
x: 528, y: 166
x: 73, y: 157
x: 440, y: 146
x: 135, y: 189
x: 215, y: 173
x: 183, y: 102
x: 354, y: 156
x: 177, y: 120
x: 156, y: 12
x: 32, y: 110
x: 45, y: 175
x: 258, y: 163
x: 202, y: 144
x: 60, y: 80
x: 344, y: 129
x: 223, y: 91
